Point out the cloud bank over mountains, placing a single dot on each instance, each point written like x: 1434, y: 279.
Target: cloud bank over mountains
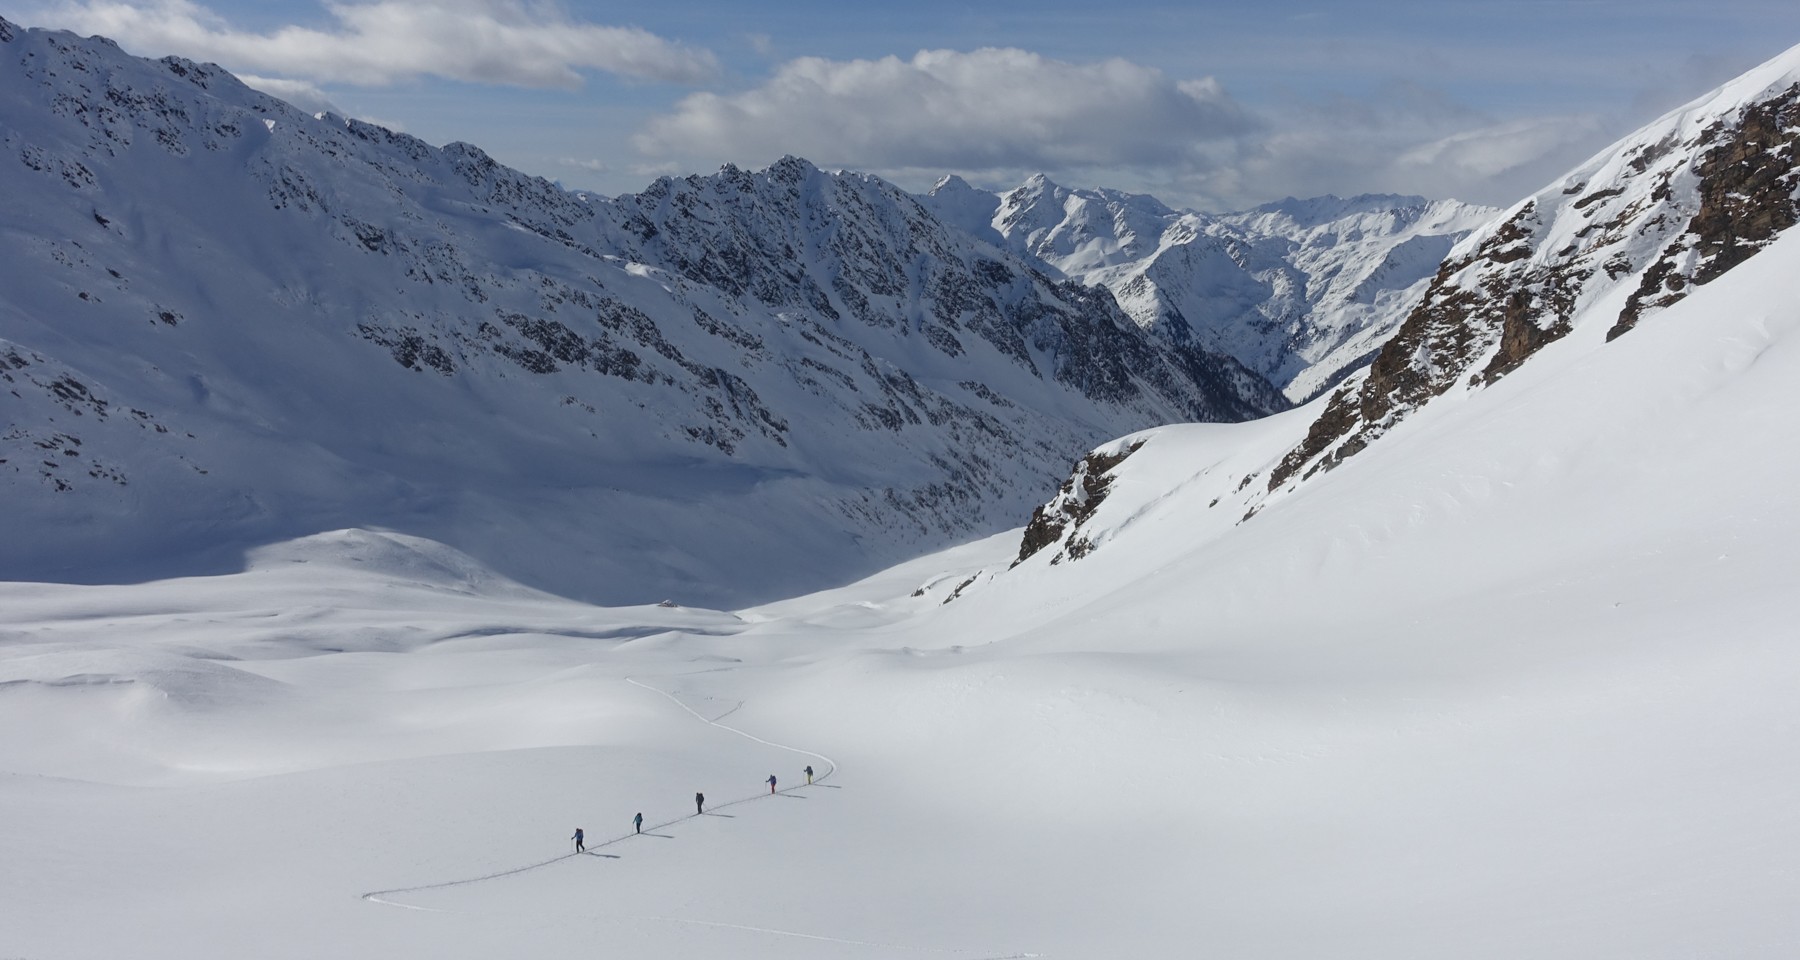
x: 370, y: 44
x: 993, y: 114
x: 981, y: 109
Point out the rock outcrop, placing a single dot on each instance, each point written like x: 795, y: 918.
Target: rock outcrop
x: 1669, y: 208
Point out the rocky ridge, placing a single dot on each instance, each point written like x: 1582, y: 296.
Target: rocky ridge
x: 1669, y: 208
x: 1302, y: 291
x: 328, y: 324
x: 1586, y: 260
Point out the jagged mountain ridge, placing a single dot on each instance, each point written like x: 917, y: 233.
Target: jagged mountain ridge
x: 1636, y: 230
x: 1627, y: 233
x: 226, y: 321
x: 1302, y: 291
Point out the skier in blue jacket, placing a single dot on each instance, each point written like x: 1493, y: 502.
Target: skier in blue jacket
x: 578, y: 838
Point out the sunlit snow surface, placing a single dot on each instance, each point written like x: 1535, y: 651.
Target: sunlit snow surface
x: 1519, y: 681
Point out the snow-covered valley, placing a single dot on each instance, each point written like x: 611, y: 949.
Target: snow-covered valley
x: 1522, y: 689
x: 1502, y: 665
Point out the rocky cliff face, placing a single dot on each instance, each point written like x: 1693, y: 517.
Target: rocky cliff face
x: 1585, y: 261
x: 1633, y: 230
x: 226, y: 321
x: 1302, y: 291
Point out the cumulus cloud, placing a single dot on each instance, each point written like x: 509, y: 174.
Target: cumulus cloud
x: 1403, y: 140
x: 947, y: 109
x: 297, y: 92
x: 521, y: 42
x: 995, y: 116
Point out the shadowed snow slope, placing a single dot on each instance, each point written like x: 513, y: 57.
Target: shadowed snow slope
x: 224, y: 322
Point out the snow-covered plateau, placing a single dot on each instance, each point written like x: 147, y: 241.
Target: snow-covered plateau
x: 1487, y: 653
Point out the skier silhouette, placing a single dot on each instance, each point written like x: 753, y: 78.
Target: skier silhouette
x: 699, y: 803
x: 579, y: 845
x: 771, y: 783
x: 638, y: 822
x: 809, y: 775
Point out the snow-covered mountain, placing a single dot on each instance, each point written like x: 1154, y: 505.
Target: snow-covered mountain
x: 1516, y: 680
x: 224, y: 322
x: 1637, y: 228
x: 1302, y: 291
x: 1642, y: 226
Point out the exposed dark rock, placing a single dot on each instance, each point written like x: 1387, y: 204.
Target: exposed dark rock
x: 1749, y: 192
x: 1508, y: 300
x: 1081, y: 494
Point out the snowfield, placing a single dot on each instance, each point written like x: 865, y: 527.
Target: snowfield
x: 1491, y: 655
x: 1518, y: 684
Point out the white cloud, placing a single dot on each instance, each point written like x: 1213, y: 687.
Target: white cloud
x: 1401, y: 140
x: 586, y: 164
x: 997, y: 115
x: 951, y: 110
x: 520, y: 42
x: 301, y: 94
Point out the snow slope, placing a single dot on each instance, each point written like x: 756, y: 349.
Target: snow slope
x: 224, y: 322
x: 1519, y: 686
x: 1516, y: 680
x: 1650, y: 219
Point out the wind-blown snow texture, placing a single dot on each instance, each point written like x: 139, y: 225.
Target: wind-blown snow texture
x: 224, y: 322
x: 1302, y: 291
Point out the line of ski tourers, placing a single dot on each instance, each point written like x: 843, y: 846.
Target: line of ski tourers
x: 637, y: 821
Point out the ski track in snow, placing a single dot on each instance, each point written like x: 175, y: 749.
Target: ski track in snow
x: 378, y: 896
x: 831, y: 767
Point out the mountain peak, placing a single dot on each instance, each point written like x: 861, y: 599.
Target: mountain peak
x: 952, y: 184
x: 1630, y: 232
x: 614, y: 399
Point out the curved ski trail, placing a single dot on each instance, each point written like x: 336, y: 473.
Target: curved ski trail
x: 379, y: 896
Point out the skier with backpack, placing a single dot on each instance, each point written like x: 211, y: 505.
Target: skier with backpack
x: 771, y: 783
x: 580, y: 846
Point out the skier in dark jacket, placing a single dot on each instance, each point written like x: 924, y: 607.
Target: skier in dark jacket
x: 771, y: 783
x: 809, y: 775
x: 578, y: 838
x: 638, y: 822
x: 699, y: 803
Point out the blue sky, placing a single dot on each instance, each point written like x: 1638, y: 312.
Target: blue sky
x: 1210, y: 105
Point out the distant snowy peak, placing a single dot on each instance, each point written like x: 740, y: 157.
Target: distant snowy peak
x: 1291, y: 213
x: 1079, y: 231
x: 1669, y: 208
x: 228, y: 321
x: 969, y: 209
x: 1298, y: 290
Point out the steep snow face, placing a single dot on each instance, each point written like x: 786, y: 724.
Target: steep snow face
x: 1299, y: 290
x: 1637, y: 228
x: 227, y: 322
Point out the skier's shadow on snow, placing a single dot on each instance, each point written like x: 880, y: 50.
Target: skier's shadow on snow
x: 709, y: 813
x: 661, y: 836
x: 791, y: 796
x: 609, y: 856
